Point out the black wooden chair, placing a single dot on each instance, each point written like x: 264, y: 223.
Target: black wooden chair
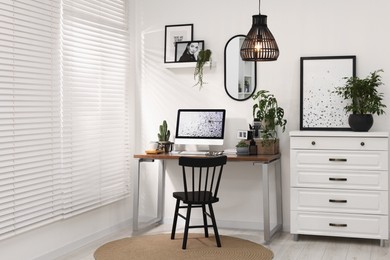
x: 201, y: 177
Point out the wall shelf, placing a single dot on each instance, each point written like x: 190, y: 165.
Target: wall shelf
x: 180, y: 65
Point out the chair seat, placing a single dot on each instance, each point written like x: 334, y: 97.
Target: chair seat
x: 196, y: 197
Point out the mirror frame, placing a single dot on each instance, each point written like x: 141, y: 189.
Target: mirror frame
x: 225, y: 72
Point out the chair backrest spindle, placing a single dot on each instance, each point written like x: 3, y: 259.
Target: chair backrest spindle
x: 218, y: 181
x: 185, y: 183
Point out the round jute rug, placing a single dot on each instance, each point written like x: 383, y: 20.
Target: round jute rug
x: 161, y: 247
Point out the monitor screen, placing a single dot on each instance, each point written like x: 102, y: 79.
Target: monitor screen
x: 200, y: 126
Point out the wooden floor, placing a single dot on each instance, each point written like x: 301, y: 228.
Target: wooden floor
x: 283, y: 246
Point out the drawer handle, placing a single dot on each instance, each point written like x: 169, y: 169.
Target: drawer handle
x: 337, y: 225
x: 337, y: 159
x: 337, y: 201
x: 337, y: 179
x: 362, y: 144
x: 313, y: 143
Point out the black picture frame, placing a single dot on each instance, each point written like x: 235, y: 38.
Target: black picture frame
x: 182, y: 46
x: 320, y: 107
x: 175, y: 33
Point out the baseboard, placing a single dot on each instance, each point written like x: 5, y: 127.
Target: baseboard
x: 241, y: 225
x: 69, y: 248
x: 228, y: 224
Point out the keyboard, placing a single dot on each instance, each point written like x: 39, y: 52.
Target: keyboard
x: 211, y: 153
x: 193, y: 153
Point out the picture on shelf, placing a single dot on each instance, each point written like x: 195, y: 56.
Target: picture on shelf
x: 247, y: 84
x: 173, y: 34
x: 187, y: 51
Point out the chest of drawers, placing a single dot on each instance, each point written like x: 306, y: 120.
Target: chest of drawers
x: 339, y: 184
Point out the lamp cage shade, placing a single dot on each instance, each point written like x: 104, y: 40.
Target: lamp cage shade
x: 259, y: 44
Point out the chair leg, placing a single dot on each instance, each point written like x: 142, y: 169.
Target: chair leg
x: 185, y: 237
x: 206, y: 229
x: 214, y: 225
x: 175, y: 219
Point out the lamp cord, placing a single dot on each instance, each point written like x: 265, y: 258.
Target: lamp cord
x: 259, y: 7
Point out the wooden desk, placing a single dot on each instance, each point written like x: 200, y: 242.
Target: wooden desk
x: 263, y: 160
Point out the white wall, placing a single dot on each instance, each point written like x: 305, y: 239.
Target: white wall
x: 301, y: 28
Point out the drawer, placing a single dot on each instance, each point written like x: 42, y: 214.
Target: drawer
x: 320, y: 178
x: 341, y: 201
x: 339, y: 143
x: 347, y: 225
x: 337, y: 159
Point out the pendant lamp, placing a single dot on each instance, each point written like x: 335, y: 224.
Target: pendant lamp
x: 259, y: 44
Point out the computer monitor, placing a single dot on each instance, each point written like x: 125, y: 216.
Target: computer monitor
x: 200, y: 126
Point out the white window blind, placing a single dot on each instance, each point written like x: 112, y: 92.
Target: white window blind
x: 63, y: 109
x: 30, y: 128
x: 95, y: 56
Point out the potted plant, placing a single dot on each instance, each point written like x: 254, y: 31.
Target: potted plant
x: 203, y: 57
x: 365, y: 100
x: 242, y: 148
x: 163, y: 137
x: 271, y: 116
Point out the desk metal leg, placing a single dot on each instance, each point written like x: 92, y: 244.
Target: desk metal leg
x: 279, y: 204
x: 268, y: 233
x: 136, y: 185
x: 160, y: 194
x: 266, y: 211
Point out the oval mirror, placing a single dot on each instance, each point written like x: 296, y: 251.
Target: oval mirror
x: 240, y: 76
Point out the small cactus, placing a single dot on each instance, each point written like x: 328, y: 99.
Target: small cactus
x: 164, y: 132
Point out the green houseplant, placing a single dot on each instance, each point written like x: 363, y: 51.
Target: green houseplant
x: 203, y: 57
x: 242, y: 147
x: 365, y: 100
x: 271, y: 116
x: 163, y: 137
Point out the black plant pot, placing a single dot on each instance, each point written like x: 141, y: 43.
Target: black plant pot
x: 360, y: 123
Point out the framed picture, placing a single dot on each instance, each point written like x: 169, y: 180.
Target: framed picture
x: 320, y: 107
x: 173, y: 34
x: 247, y: 84
x: 187, y: 51
x: 242, y: 134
